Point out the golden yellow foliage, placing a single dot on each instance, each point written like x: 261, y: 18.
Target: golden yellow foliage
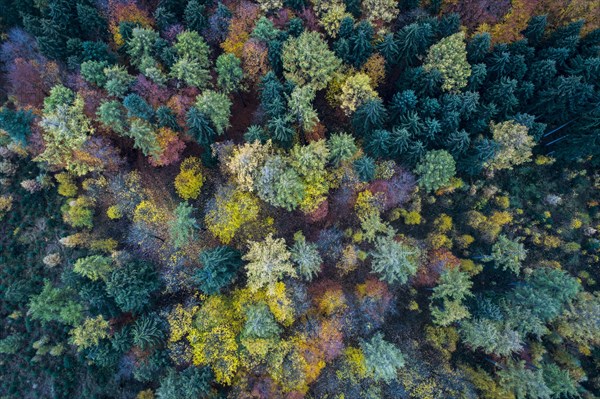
x: 375, y: 69
x: 190, y: 179
x: 147, y: 394
x: 280, y: 304
x: 411, y: 217
x: 231, y: 213
x: 356, y: 361
x: 486, y: 385
x: 180, y: 322
x: 114, y: 212
x: 443, y: 223
x: 437, y: 240
x: 356, y: 90
x: 147, y: 211
x: 332, y: 301
x: 106, y: 245
x: 464, y: 240
x: 443, y: 339
x: 66, y: 184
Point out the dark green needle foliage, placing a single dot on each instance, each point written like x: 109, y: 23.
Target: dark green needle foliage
x: 199, y: 126
x: 132, y: 284
x: 412, y: 184
x: 191, y: 383
x: 147, y: 331
x: 365, y: 168
x: 370, y: 116
x: 219, y: 268
x: 16, y: 123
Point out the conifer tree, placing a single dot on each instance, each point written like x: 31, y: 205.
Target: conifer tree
x: 365, y: 168
x: 217, y: 107
x: 260, y: 323
x: 66, y: 130
x: 137, y: 107
x: 341, y: 147
x: 453, y: 288
x: 230, y: 73
x: 147, y: 331
x: 193, y: 382
x: 183, y: 226
x: 370, y: 116
x: 306, y: 257
x: 389, y: 49
x: 478, y: 47
x: 93, y: 267
x: 360, y: 44
x: 195, y: 16
x: 219, y: 267
x: 199, y: 126
x: 192, y: 60
x: 16, y: 123
x: 413, y: 40
x: 382, y: 359
x: 449, y: 57
x: 507, y: 254
x: 144, y: 137
x: 435, y: 170
x: 307, y: 60
x: 131, y: 285
x: 394, y: 261
x: 55, y: 304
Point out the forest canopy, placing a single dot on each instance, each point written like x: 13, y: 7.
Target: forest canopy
x: 321, y: 199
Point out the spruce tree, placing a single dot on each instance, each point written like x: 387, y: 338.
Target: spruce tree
x: 218, y: 269
x: 389, y: 49
x: 195, y: 16
x: 370, y: 116
x: 199, y: 126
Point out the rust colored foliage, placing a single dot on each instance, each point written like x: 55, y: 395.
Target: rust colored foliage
x: 172, y: 31
x: 396, y: 190
x: 316, y: 134
x: 474, y: 13
x: 171, y: 147
x: 155, y: 94
x: 30, y: 81
x: 255, y: 60
x: 126, y: 11
x: 93, y: 98
x: 260, y: 387
x: 311, y: 22
x: 429, y: 272
x: 240, y: 27
x: 330, y: 339
x: 374, y: 300
x: 180, y: 104
x: 318, y: 214
x: 281, y: 18
x: 100, y: 151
